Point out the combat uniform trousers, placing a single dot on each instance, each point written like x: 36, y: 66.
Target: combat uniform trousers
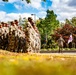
x: 11, y: 45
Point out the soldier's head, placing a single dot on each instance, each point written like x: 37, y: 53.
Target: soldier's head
x: 2, y: 23
x: 12, y: 23
x: 29, y: 19
x: 6, y: 25
x: 16, y: 22
x: 60, y: 36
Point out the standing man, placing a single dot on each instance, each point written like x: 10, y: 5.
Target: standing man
x: 60, y: 43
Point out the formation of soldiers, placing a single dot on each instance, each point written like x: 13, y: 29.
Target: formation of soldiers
x: 16, y: 39
x: 12, y: 37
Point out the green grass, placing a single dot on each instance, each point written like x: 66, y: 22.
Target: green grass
x: 37, y: 64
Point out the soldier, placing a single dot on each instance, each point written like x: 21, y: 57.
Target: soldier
x: 16, y: 22
x: 3, y: 32
x: 11, y: 38
x: 11, y: 27
x: 31, y: 34
x: 24, y: 45
x: 33, y: 24
x: 7, y: 28
x: 1, y: 37
x: 16, y: 34
x: 6, y: 31
x: 21, y: 41
x: 60, y: 43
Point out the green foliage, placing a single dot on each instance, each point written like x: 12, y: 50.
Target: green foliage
x: 5, y: 0
x: 65, y: 31
x: 28, y: 1
x: 44, y: 0
x: 71, y: 21
x: 50, y: 21
x: 67, y: 21
x: 47, y: 25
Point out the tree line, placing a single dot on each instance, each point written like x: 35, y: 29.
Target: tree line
x: 50, y: 29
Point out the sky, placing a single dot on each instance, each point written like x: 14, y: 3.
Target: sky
x: 16, y: 8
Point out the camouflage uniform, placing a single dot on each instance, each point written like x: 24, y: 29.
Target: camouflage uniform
x: 11, y: 41
x: 11, y: 38
x: 0, y: 37
x: 5, y: 36
x: 60, y: 43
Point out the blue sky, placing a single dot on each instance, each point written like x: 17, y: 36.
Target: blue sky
x: 19, y: 7
x: 12, y: 9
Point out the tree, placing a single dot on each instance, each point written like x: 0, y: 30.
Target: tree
x: 67, y: 21
x: 47, y: 25
x: 65, y: 31
x: 28, y: 1
x: 71, y: 21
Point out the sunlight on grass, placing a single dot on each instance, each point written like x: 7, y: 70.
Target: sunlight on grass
x: 37, y: 64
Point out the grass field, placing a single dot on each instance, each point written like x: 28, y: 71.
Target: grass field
x: 37, y: 64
